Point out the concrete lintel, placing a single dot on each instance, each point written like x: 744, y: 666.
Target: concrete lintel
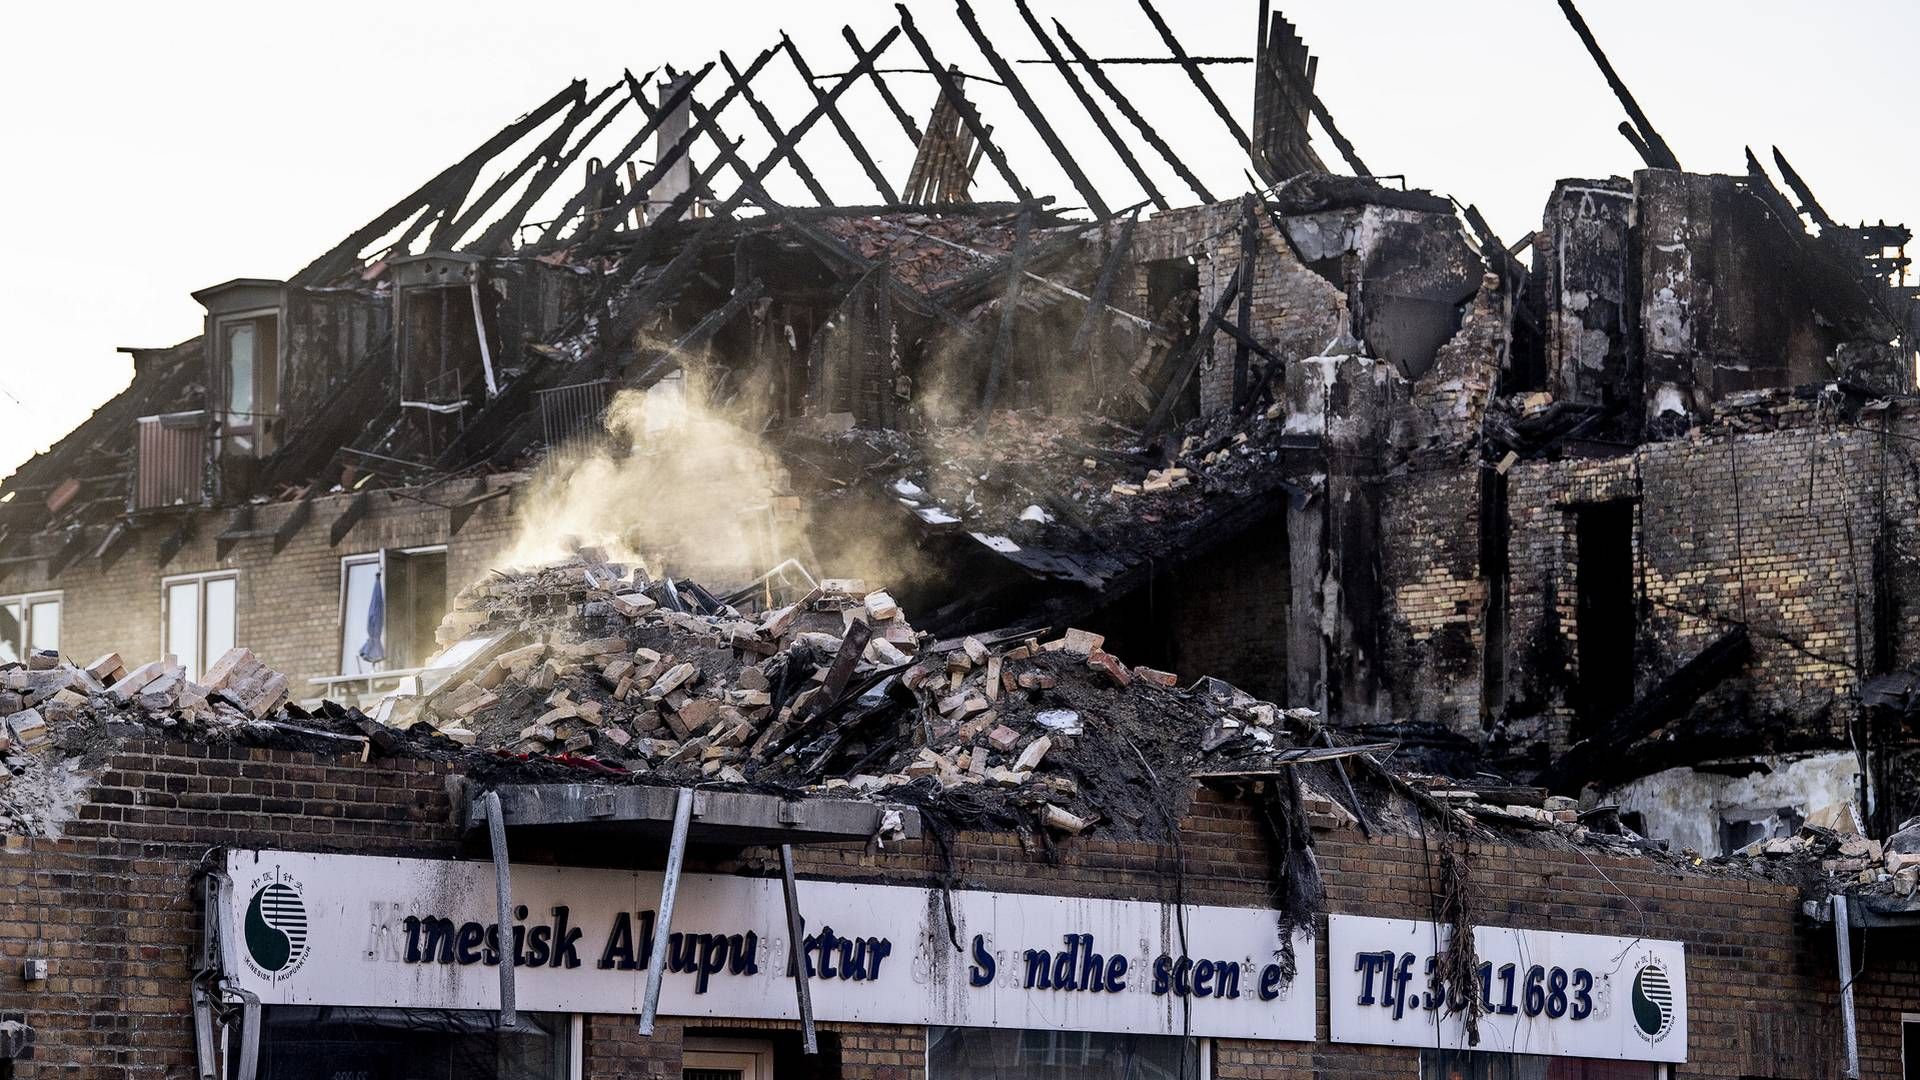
x: 719, y: 817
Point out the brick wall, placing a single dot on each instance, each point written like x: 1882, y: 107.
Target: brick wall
x: 287, y: 604
x: 1775, y: 528
x: 111, y: 905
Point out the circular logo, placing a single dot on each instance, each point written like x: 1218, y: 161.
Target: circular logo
x: 276, y: 928
x: 1652, y: 1001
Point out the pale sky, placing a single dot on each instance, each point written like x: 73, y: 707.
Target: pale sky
x: 161, y: 148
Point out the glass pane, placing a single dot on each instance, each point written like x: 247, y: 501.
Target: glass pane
x: 998, y: 1054
x: 43, y: 624
x: 219, y: 618
x: 183, y: 625
x: 356, y: 600
x: 241, y: 341
x: 10, y: 631
x: 322, y: 1043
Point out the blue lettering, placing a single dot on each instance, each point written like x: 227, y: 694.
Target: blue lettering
x: 980, y: 972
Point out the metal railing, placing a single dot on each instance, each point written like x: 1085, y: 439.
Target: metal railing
x: 171, y: 462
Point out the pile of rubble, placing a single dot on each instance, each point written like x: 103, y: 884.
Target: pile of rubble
x: 595, y: 664
x: 56, y: 720
x: 1849, y: 860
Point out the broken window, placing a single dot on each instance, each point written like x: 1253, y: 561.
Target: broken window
x: 249, y: 372
x: 197, y: 618
x: 1604, y: 617
x: 305, y: 1042
x: 1742, y: 825
x: 1007, y: 1054
x: 391, y: 602
x: 29, y: 623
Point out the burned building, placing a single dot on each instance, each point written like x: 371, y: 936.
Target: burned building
x: 1622, y: 510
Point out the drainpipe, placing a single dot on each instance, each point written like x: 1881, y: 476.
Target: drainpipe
x: 1843, y: 945
x: 503, y: 891
x: 669, y: 885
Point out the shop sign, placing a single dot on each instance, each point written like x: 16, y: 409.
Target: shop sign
x: 1570, y: 995
x: 304, y: 929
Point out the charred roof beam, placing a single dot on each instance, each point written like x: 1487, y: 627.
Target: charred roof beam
x: 1093, y: 108
x: 1132, y: 114
x: 501, y: 231
x: 1652, y: 147
x: 840, y: 124
x: 772, y: 126
x: 1199, y: 77
x: 886, y: 93
x: 950, y: 89
x: 449, y: 233
x: 434, y: 191
x: 1033, y: 114
x: 611, y: 170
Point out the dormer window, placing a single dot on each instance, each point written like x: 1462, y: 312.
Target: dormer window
x: 250, y: 383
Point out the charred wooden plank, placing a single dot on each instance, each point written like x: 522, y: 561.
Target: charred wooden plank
x: 1667, y: 701
x: 1132, y: 114
x: 449, y: 233
x: 498, y: 234
x: 590, y: 191
x: 1653, y: 148
x: 1249, y: 250
x: 839, y: 122
x: 772, y: 126
x: 1199, y: 77
x: 345, y: 253
x: 1808, y: 204
x: 950, y: 89
x: 667, y: 362
x: 1093, y: 108
x: 1189, y: 361
x: 886, y: 93
x: 1033, y: 114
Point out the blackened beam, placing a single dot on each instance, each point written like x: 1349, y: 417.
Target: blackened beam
x: 1668, y: 700
x: 1094, y: 318
x: 501, y: 232
x: 1033, y: 114
x: 347, y: 251
x: 1303, y: 85
x: 1199, y: 77
x: 450, y: 232
x: 968, y: 114
x: 839, y: 122
x: 886, y: 93
x: 348, y: 518
x: 119, y: 540
x: 1808, y: 204
x: 590, y: 191
x: 1093, y: 108
x: 669, y: 361
x: 1249, y: 250
x: 773, y: 127
x: 1653, y: 148
x: 1152, y: 60
x: 296, y: 520
x: 1273, y: 366
x: 796, y: 929
x: 1127, y: 110
x: 640, y: 189
x: 1184, y: 368
x: 1009, y: 311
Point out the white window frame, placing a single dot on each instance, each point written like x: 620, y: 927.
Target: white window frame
x: 753, y: 1057
x: 201, y: 578
x: 26, y: 602
x: 379, y: 556
x: 257, y: 420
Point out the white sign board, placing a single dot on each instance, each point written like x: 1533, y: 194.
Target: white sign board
x: 414, y: 933
x: 1569, y: 995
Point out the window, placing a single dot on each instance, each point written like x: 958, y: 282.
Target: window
x: 250, y: 377
x: 1740, y: 826
x: 197, y: 618
x: 1482, y: 1065
x: 1910, y: 1045
x: 726, y: 1059
x: 1007, y: 1054
x: 331, y: 1042
x: 391, y: 602
x: 29, y: 623
x: 1604, y: 612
